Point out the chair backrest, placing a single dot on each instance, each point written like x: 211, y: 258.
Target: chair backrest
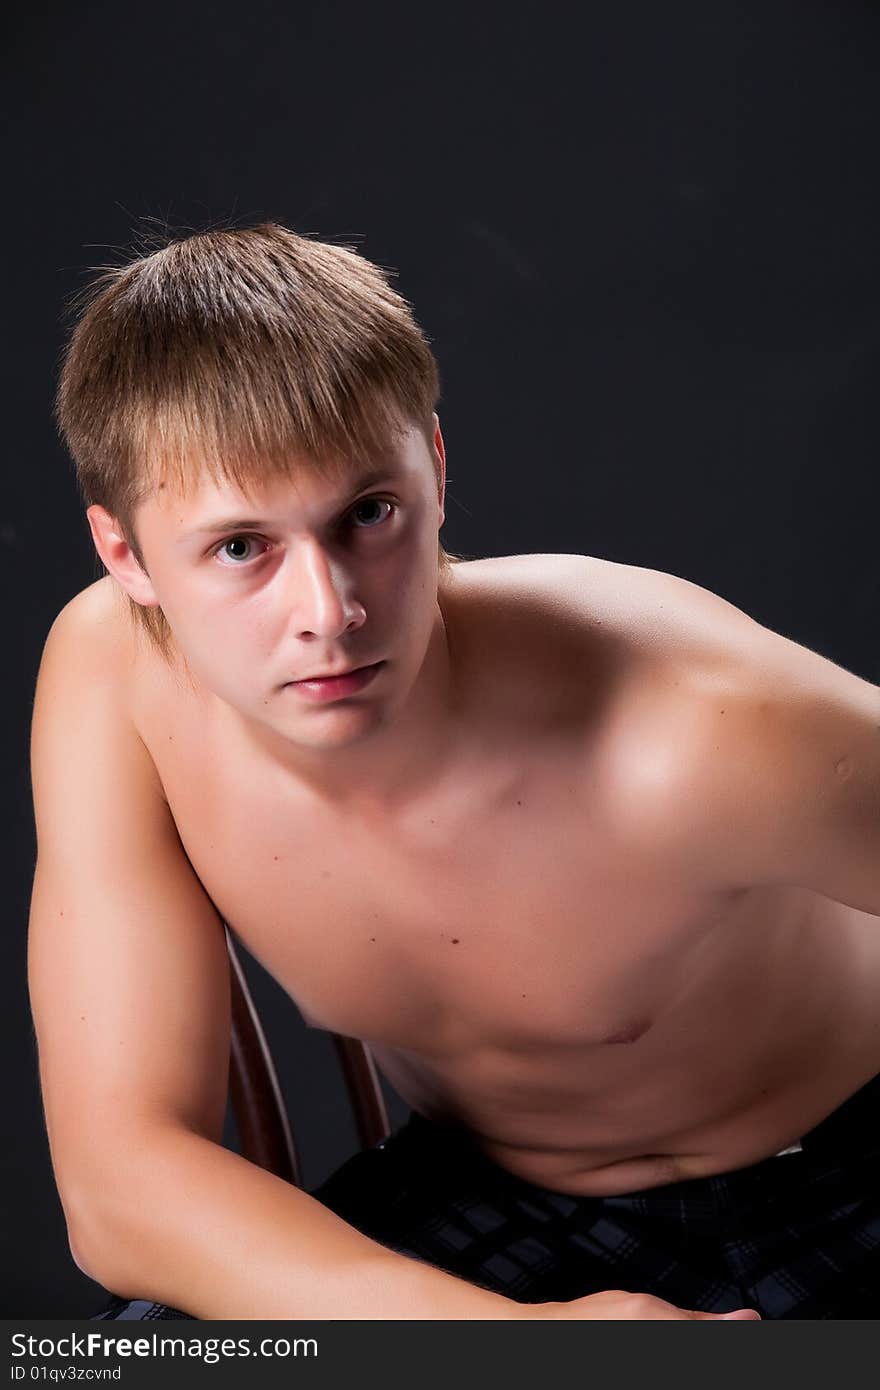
x: 259, y: 1109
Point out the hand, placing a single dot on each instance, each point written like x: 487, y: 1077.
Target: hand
x: 617, y: 1305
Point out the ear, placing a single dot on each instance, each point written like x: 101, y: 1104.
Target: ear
x: 119, y: 558
x: 440, y: 465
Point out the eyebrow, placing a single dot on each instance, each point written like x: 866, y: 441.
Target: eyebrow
x: 244, y: 523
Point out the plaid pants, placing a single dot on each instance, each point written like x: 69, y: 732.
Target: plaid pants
x: 794, y: 1236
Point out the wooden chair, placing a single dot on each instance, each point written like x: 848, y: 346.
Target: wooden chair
x: 257, y: 1103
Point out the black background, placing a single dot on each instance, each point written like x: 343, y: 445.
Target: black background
x: 643, y: 241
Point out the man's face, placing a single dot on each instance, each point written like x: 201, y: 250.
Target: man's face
x: 300, y: 579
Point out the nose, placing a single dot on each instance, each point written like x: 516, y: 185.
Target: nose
x: 321, y: 599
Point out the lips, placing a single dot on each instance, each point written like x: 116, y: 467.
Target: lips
x: 336, y: 687
x: 330, y: 675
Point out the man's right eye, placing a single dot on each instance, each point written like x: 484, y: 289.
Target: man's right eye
x: 237, y: 541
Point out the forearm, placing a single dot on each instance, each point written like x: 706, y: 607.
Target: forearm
x: 202, y: 1229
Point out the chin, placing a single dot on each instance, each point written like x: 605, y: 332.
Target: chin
x: 339, y: 728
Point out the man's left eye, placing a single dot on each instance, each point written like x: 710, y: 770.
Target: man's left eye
x: 370, y: 505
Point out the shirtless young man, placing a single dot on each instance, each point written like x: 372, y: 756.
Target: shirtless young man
x: 588, y: 856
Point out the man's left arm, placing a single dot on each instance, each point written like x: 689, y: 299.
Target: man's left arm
x: 781, y: 784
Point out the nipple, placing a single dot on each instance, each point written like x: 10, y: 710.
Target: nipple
x: 630, y: 1032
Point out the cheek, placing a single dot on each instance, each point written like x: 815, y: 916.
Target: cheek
x: 222, y: 643
x: 409, y: 578
x: 413, y: 601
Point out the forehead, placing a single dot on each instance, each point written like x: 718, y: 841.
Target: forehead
x: 297, y: 484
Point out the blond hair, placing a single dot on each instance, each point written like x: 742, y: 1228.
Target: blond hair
x: 238, y: 353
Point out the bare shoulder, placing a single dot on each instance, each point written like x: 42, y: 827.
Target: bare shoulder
x: 94, y: 628
x: 654, y: 615
x: 609, y: 655
x: 670, y: 624
x: 682, y: 692
x: 92, y: 644
x: 711, y: 708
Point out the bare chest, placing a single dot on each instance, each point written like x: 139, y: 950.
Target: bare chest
x: 498, y: 915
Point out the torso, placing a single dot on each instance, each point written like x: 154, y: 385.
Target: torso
x: 518, y: 963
